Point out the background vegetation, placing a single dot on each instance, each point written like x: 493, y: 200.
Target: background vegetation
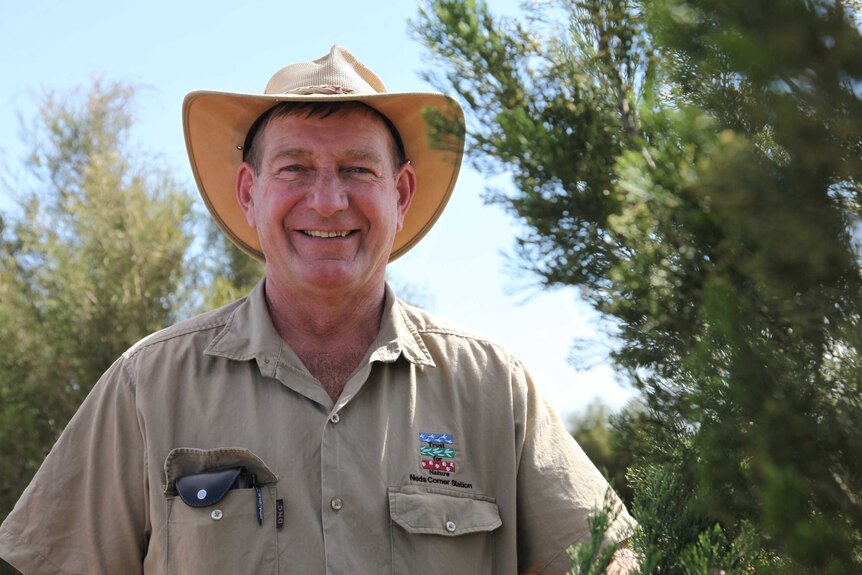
x: 694, y: 168
x: 99, y: 254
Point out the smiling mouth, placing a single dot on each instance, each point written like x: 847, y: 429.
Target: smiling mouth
x: 325, y: 234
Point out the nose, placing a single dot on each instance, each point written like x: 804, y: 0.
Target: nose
x: 327, y: 194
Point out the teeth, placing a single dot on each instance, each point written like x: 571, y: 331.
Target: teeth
x: 322, y: 234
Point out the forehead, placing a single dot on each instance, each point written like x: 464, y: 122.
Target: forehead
x: 352, y: 129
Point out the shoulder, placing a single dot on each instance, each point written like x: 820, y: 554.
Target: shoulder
x: 204, y: 325
x: 452, y: 339
x: 433, y: 325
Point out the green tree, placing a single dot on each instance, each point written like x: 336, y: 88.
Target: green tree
x: 93, y: 261
x: 611, y: 441
x: 695, y: 167
x: 228, y: 272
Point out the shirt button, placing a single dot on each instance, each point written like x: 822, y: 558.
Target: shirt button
x: 217, y: 514
x: 334, y: 418
x: 336, y: 503
x: 450, y: 526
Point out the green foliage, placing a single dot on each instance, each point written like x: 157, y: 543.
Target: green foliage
x: 96, y: 257
x: 659, y: 465
x: 610, y: 445
x: 695, y: 168
x: 674, y: 535
x: 229, y: 273
x: 594, y: 557
x: 93, y: 263
x: 546, y: 107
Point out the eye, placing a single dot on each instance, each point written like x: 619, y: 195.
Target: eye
x: 359, y: 171
x: 291, y: 168
x: 291, y: 171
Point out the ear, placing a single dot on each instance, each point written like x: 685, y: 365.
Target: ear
x: 244, y: 192
x: 405, y: 186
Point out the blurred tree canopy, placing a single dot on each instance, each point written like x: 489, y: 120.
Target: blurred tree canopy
x: 93, y: 263
x: 604, y: 437
x: 98, y: 255
x: 694, y: 167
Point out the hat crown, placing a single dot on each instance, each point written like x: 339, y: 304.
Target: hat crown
x: 338, y: 72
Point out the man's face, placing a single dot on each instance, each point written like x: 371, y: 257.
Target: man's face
x: 326, y: 201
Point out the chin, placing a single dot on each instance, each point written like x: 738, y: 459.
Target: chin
x: 333, y: 276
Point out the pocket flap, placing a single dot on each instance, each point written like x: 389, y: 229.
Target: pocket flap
x: 440, y: 512
x: 202, y: 489
x: 183, y: 461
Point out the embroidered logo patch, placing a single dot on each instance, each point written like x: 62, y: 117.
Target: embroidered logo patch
x: 437, y: 453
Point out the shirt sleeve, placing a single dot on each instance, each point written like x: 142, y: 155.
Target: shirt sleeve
x: 559, y: 488
x: 85, y: 509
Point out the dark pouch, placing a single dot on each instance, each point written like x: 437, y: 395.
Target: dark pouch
x: 207, y: 488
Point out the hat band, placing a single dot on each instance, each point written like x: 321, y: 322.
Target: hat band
x: 321, y: 89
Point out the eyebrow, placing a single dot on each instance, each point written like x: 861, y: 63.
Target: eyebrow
x: 289, y: 153
x: 363, y: 155
x: 302, y: 153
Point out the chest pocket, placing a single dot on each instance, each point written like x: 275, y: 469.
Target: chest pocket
x: 218, y: 523
x: 440, y: 530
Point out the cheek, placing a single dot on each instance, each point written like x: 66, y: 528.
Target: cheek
x: 393, y: 217
x: 272, y: 209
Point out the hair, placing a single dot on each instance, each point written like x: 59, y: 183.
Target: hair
x: 251, y: 154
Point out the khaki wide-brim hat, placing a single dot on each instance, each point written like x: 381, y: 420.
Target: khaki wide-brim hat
x: 216, y: 124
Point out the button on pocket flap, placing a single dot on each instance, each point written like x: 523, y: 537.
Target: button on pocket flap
x: 185, y: 461
x: 202, y: 489
x: 439, y: 512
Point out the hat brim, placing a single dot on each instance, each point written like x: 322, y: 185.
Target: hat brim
x: 216, y: 123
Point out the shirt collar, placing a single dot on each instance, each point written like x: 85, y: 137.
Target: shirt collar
x: 249, y: 333
x: 399, y: 335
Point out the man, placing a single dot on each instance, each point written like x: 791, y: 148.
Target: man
x: 318, y: 425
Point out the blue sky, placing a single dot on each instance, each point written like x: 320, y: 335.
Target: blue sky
x: 168, y: 48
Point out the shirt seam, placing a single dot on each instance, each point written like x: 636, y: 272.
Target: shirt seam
x: 159, y: 337
x: 20, y: 540
x: 552, y: 559
x: 577, y: 540
x: 468, y: 336
x: 132, y: 382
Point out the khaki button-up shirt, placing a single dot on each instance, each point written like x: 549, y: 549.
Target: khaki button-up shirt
x: 439, y: 457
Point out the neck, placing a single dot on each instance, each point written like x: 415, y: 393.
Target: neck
x: 330, y: 332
